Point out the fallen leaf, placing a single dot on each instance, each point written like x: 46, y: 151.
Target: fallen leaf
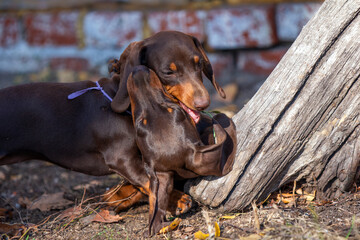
x: 50, y: 201
x: 286, y: 195
x: 104, y: 216
x: 72, y: 212
x: 299, y: 191
x: 217, y: 229
x: 229, y: 216
x: 287, y: 200
x: 12, y: 229
x: 311, y: 196
x: 201, y: 235
x: 171, y: 226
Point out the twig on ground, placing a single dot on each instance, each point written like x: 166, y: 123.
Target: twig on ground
x: 256, y: 217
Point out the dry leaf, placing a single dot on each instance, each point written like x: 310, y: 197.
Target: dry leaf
x: 12, y: 229
x: 311, y: 196
x: 287, y: 200
x: 171, y: 226
x: 286, y: 195
x: 229, y: 216
x: 299, y: 191
x: 105, y: 217
x: 50, y: 201
x: 201, y: 235
x: 217, y: 230
x: 72, y: 212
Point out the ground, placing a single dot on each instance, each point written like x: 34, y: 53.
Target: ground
x: 23, y: 183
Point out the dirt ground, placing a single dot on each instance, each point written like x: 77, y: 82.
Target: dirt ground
x: 22, y: 185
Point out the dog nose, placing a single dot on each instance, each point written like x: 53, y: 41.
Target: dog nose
x: 201, y: 103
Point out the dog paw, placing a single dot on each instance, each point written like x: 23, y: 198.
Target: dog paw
x: 184, y: 204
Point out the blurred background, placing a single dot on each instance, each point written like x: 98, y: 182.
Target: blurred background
x: 66, y: 40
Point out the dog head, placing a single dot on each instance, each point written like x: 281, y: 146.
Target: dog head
x: 178, y: 60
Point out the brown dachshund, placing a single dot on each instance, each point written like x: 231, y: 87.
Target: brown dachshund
x: 179, y: 61
x: 72, y: 125
x: 170, y: 143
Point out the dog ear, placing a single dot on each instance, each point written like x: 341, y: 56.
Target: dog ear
x: 207, y: 68
x: 132, y: 56
x: 217, y: 158
x: 156, y: 84
x: 230, y: 144
x: 209, y: 159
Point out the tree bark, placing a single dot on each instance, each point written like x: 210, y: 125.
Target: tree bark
x: 303, y: 123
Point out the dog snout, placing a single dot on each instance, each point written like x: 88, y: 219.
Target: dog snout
x: 200, y: 103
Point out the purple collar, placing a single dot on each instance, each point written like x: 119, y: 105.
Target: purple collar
x: 98, y: 87
x: 81, y: 92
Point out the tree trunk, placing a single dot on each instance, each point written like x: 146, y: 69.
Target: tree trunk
x: 303, y: 123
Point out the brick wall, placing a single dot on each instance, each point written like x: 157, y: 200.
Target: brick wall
x: 250, y: 39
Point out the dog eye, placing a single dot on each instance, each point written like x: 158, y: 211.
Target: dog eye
x: 169, y: 73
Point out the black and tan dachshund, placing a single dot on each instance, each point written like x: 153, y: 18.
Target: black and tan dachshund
x: 72, y: 125
x: 170, y: 143
x: 178, y: 60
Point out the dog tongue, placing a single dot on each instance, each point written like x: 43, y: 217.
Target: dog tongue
x: 195, y: 115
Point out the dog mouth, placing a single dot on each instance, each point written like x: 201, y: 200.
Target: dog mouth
x: 195, y: 115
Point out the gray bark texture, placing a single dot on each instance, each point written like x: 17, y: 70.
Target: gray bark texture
x: 303, y: 123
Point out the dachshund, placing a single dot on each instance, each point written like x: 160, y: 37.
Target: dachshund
x: 178, y: 60
x: 73, y: 125
x: 170, y: 143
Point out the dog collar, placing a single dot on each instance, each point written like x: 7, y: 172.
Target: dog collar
x: 81, y: 92
x: 98, y: 87
x: 209, y: 114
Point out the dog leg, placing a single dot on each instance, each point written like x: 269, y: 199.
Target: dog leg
x: 124, y: 197
x: 165, y: 187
